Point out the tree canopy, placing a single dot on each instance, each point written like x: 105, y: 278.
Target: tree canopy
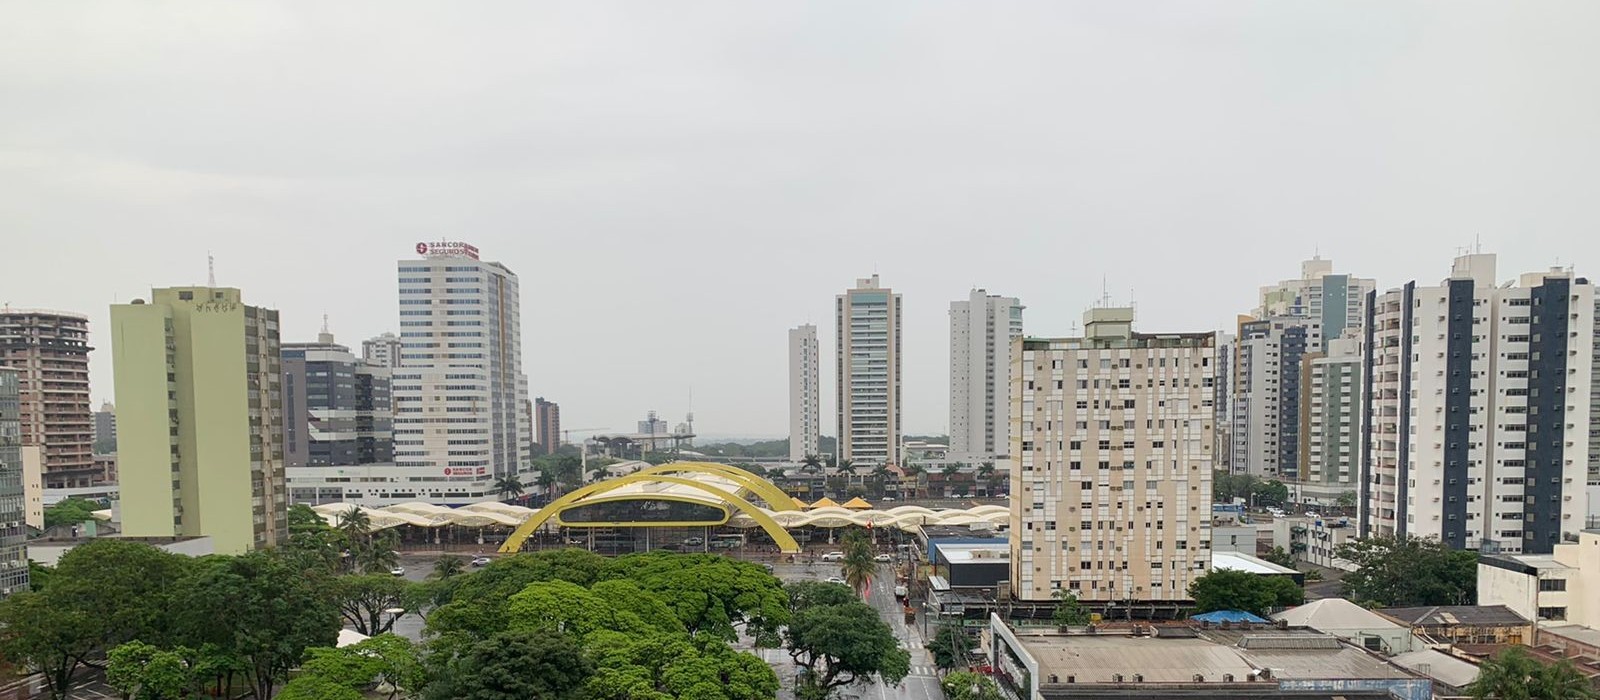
x: 840, y: 640
x: 1514, y: 674
x: 1225, y: 589
x: 1394, y: 572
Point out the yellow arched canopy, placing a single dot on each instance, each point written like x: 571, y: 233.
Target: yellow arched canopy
x: 785, y: 542
x: 775, y: 497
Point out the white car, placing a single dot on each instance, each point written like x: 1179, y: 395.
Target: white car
x: 900, y: 591
x: 1313, y: 514
x: 835, y: 579
x: 481, y: 561
x: 398, y: 571
x: 833, y: 556
x: 883, y: 557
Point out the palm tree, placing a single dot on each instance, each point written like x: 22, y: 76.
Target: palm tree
x: 1514, y: 674
x: 355, y: 523
x: 375, y: 554
x: 546, y: 480
x: 813, y: 462
x: 508, y: 486
x: 858, y: 566
x: 446, y: 567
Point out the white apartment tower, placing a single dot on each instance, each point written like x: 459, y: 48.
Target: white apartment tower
x: 460, y: 397
x: 1477, y: 410
x: 805, y: 392
x: 383, y: 350
x: 1266, y: 394
x: 1330, y: 414
x: 868, y: 377
x: 982, y: 329
x: 1335, y: 301
x: 1112, y: 452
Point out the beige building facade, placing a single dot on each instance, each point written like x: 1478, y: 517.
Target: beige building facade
x: 200, y: 433
x: 1112, y: 457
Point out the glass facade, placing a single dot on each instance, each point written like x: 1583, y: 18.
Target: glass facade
x: 13, y: 532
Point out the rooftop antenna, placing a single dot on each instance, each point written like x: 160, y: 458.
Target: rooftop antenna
x: 211, y: 270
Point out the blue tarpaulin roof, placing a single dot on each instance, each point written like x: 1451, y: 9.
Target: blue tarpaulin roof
x: 1227, y: 616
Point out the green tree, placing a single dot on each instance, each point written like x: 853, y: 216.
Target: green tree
x: 509, y: 487
x: 1068, y: 611
x: 628, y: 667
x: 313, y: 687
x: 315, y: 543
x: 518, y: 665
x: 54, y: 639
x: 840, y: 643
x: 385, y: 661
x: 858, y: 566
x: 1270, y: 493
x: 365, y: 601
x: 710, y: 593
x: 1514, y: 674
x: 1409, y: 572
x: 950, y: 646
x: 1225, y: 589
x: 969, y: 686
x: 1347, y: 499
x: 262, y: 610
x: 144, y: 672
x: 71, y: 512
x: 447, y: 567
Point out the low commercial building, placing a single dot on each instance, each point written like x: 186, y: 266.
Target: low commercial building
x: 1183, y: 662
x: 1239, y: 561
x: 1464, y: 624
x: 49, y: 550
x: 1353, y: 623
x: 1562, y: 586
x: 1315, y: 540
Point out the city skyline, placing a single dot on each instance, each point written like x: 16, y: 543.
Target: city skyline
x: 735, y: 143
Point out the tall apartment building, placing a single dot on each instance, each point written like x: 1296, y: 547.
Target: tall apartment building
x: 51, y: 350
x: 805, y: 393
x: 1594, y: 421
x: 1222, y: 440
x: 105, y: 425
x: 1330, y: 421
x: 867, y: 346
x: 1112, y: 453
x: 199, y: 418
x: 1478, y: 399
x: 383, y: 350
x: 337, y: 413
x: 1266, y: 394
x: 1334, y: 301
x: 13, y: 530
x: 461, y: 404
x: 547, y: 417
x: 982, y: 329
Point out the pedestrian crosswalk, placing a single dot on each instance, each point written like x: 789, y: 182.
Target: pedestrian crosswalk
x: 921, y: 670
x: 913, y: 644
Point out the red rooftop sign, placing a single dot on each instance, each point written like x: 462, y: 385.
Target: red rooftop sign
x: 448, y: 249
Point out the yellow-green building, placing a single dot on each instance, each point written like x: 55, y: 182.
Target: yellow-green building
x: 199, y: 432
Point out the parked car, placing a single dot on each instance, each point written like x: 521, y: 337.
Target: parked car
x: 398, y: 570
x: 768, y: 567
x: 481, y: 561
x: 695, y: 541
x: 833, y: 556
x: 884, y: 557
x: 835, y: 579
x: 900, y: 592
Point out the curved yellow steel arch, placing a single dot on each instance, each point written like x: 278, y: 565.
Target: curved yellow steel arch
x: 513, y: 544
x: 776, y: 499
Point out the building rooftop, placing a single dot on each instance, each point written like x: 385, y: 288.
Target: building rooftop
x: 1530, y: 564
x: 1236, y: 561
x: 965, y: 553
x: 1335, y: 614
x: 1439, y: 666
x: 1577, y: 633
x: 1455, y: 615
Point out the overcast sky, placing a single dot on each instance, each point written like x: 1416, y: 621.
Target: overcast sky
x: 677, y: 183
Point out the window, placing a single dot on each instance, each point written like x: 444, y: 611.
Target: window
x: 1553, y: 613
x: 1552, y: 584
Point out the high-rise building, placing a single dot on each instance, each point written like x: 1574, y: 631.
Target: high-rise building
x: 105, y: 427
x: 337, y: 412
x: 1478, y: 400
x: 383, y: 350
x: 460, y: 396
x: 1266, y: 394
x: 805, y: 393
x: 982, y: 329
x: 199, y: 418
x: 868, y: 377
x: 51, y: 350
x: 1330, y: 421
x: 1594, y: 416
x: 547, y: 416
x: 1222, y: 441
x: 1333, y: 301
x: 13, y: 530
x: 1112, y: 456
